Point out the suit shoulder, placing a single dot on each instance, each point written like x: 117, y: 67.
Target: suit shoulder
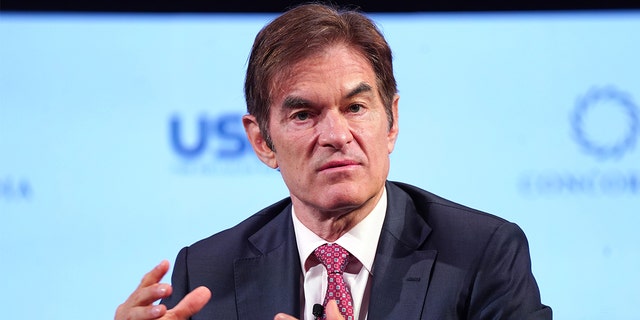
x: 444, y: 214
x: 427, y: 201
x: 237, y: 236
x: 460, y: 233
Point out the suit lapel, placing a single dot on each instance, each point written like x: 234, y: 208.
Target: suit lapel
x: 402, y: 267
x: 269, y: 282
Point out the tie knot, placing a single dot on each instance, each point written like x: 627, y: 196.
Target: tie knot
x: 333, y: 257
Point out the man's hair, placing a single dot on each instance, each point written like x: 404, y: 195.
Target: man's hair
x: 301, y: 32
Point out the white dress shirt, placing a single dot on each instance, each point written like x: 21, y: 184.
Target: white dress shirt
x: 361, y: 241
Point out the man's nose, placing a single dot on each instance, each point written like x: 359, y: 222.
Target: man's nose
x: 334, y: 130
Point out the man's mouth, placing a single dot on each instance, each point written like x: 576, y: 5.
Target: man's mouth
x: 338, y: 164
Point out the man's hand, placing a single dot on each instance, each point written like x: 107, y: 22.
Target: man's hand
x: 331, y: 310
x: 139, y: 305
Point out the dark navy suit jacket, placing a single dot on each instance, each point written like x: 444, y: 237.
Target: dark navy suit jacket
x: 435, y: 260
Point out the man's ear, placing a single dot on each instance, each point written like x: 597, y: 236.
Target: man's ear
x: 392, y: 135
x: 259, y: 144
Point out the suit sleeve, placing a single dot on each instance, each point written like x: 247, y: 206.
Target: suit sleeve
x: 179, y: 280
x: 504, y: 287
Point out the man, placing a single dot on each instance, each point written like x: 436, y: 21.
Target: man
x: 323, y: 109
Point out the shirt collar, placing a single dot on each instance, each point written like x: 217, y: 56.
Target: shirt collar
x: 361, y: 241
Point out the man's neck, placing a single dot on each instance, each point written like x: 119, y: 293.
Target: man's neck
x: 332, y: 224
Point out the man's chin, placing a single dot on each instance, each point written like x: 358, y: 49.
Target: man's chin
x: 344, y: 200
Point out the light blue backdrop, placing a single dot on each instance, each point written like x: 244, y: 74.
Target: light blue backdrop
x: 115, y: 130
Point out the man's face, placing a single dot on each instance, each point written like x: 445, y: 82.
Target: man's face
x: 330, y: 132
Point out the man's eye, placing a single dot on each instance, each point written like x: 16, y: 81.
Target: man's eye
x: 301, y: 116
x: 355, y: 108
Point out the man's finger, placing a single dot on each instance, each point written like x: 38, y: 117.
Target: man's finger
x: 332, y: 311
x: 149, y: 289
x: 155, y: 275
x: 142, y: 313
x: 191, y: 303
x: 282, y: 316
x: 150, y: 294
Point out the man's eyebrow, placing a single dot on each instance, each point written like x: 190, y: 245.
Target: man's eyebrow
x: 292, y: 102
x: 361, y: 88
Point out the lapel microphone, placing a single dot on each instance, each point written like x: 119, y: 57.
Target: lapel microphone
x: 318, y: 311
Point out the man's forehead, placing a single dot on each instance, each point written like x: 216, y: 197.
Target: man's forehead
x: 326, y: 58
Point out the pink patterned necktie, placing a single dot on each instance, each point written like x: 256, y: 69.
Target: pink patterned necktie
x: 335, y: 259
